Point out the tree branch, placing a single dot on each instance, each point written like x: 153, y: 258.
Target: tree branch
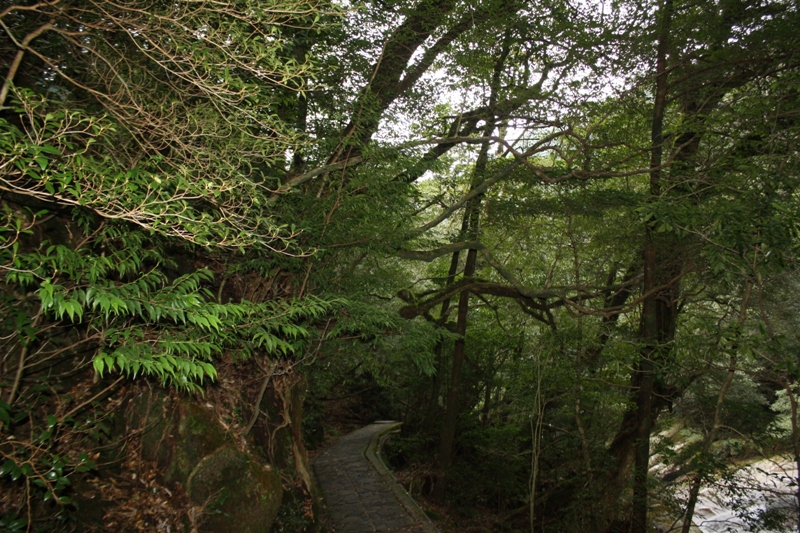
x: 430, y: 255
x: 23, y: 47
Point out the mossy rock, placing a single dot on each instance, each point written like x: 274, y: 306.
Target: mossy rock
x: 239, y: 494
x: 197, y: 435
x: 177, y: 437
x: 191, y: 449
x: 147, y: 411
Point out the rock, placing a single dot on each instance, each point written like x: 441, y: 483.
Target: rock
x: 191, y: 449
x: 196, y: 434
x: 239, y: 494
x: 177, y: 436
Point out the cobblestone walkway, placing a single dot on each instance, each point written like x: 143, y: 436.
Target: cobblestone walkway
x: 360, y: 493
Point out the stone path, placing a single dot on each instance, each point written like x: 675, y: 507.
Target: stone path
x: 360, y: 493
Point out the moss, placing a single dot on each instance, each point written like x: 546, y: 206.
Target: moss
x: 237, y: 493
x: 191, y: 449
x: 198, y: 435
x: 147, y: 412
x: 176, y: 436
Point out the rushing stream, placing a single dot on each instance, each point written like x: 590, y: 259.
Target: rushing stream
x: 762, y: 490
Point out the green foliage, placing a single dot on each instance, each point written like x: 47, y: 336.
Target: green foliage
x: 67, y: 156
x: 781, y: 427
x: 492, y: 469
x: 34, y: 463
x: 12, y: 524
x: 141, y: 152
x: 389, y: 345
x: 292, y: 514
x: 142, y: 322
x: 139, y: 148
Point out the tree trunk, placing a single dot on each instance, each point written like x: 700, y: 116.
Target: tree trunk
x: 432, y: 410
x: 436, y: 386
x: 650, y: 313
x: 472, y: 214
x: 536, y: 441
x: 697, y: 482
x: 631, y: 446
x: 644, y: 398
x: 452, y: 408
x: 386, y: 81
x: 587, y: 467
x: 487, y: 400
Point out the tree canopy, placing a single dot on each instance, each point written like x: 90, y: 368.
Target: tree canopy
x: 557, y: 239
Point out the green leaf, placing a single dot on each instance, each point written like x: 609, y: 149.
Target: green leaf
x: 5, y: 416
x: 99, y: 365
x: 8, y: 467
x: 50, y: 149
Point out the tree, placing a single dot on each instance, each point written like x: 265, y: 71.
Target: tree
x: 591, y: 181
x: 705, y: 78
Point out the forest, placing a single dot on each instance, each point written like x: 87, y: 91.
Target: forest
x: 557, y: 239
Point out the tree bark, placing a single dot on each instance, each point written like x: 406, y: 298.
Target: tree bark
x: 452, y: 409
x: 536, y: 442
x: 385, y: 84
x: 472, y: 214
x: 657, y: 319
x: 433, y: 404
x: 644, y: 398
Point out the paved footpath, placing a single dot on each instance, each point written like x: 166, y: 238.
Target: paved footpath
x: 360, y: 493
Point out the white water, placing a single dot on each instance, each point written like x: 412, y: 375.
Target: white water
x: 763, y: 486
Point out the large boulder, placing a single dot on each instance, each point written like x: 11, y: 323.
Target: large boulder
x: 237, y: 492
x: 241, y: 495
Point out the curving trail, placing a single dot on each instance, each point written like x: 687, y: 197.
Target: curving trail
x: 360, y: 493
